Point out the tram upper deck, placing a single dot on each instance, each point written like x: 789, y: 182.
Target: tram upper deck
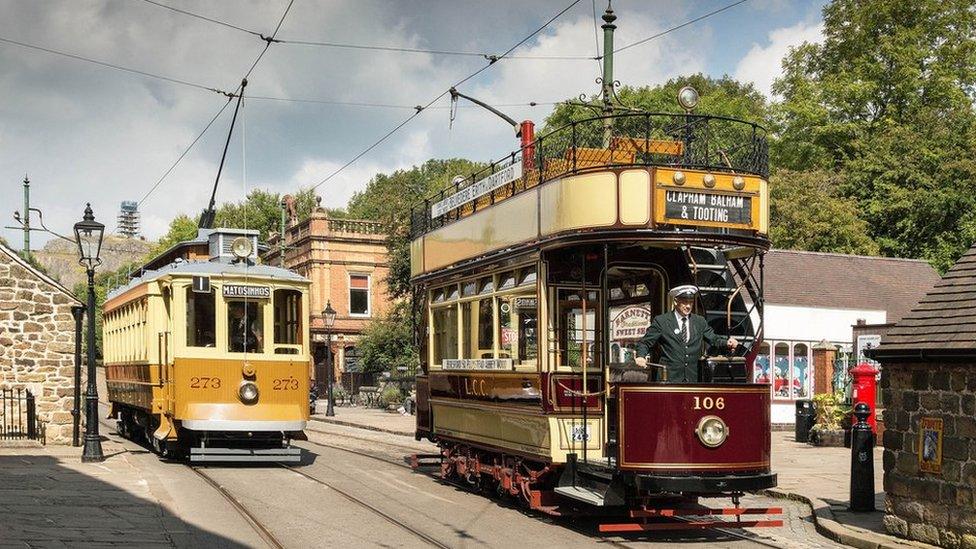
x: 682, y: 178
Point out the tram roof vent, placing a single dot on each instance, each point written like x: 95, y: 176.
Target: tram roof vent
x: 222, y: 244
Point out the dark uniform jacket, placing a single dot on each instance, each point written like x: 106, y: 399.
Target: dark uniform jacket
x: 680, y: 358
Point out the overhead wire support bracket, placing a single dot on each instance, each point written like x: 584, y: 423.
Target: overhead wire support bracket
x: 208, y: 215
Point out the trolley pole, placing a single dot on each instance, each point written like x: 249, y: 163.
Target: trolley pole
x: 607, y: 83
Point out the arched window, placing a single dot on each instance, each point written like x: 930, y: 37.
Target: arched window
x: 781, y: 370
x: 801, y: 371
x: 761, y: 373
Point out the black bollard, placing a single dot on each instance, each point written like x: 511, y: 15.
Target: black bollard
x: 862, y: 460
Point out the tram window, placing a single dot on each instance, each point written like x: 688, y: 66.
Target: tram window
x: 200, y: 319
x: 469, y: 288
x: 445, y: 334
x: 576, y: 328
x: 451, y: 292
x: 528, y: 276
x: 437, y: 296
x: 477, y: 325
x: 287, y: 317
x: 506, y: 281
x: 486, y: 285
x: 245, y: 327
x: 486, y: 328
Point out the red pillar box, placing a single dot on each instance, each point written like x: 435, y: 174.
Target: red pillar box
x: 864, y: 389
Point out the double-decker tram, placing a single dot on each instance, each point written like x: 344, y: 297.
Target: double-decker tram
x: 535, y: 279
x: 207, y: 352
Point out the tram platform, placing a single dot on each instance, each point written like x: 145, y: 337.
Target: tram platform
x: 818, y: 476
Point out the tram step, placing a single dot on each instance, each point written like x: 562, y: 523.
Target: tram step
x: 580, y: 493
x: 210, y: 454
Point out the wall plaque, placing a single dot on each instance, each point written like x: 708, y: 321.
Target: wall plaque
x: 930, y: 445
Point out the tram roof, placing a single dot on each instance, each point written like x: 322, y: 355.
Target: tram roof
x: 209, y: 268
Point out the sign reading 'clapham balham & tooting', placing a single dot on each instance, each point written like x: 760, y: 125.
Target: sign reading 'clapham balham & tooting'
x: 478, y: 189
x: 715, y: 208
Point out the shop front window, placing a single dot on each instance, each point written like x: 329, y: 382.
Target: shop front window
x: 781, y: 370
x: 761, y: 369
x: 800, y: 371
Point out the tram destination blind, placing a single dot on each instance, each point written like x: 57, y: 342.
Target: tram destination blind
x: 714, y: 208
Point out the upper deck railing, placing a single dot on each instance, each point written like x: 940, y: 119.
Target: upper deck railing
x: 711, y: 143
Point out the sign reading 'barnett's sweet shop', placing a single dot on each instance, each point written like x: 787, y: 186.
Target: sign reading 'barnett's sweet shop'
x: 715, y: 208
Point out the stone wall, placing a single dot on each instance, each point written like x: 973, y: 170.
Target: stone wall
x: 37, y: 343
x: 936, y: 508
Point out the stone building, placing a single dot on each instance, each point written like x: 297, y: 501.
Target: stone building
x: 346, y: 260
x: 37, y: 338
x: 928, y: 386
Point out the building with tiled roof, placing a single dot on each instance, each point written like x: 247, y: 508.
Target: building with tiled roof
x: 812, y: 297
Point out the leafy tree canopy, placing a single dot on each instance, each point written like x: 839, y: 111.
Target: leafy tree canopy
x: 387, y: 344
x: 718, y: 97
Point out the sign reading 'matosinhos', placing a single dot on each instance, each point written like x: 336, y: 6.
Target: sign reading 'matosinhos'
x: 716, y: 208
x: 477, y: 190
x: 240, y: 290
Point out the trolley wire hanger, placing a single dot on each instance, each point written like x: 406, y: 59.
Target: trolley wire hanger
x: 208, y: 215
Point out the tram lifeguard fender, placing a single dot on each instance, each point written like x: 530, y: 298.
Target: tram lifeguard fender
x: 658, y: 425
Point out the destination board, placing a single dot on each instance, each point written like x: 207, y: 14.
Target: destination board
x: 708, y: 207
x: 478, y: 189
x: 239, y: 290
x: 477, y: 364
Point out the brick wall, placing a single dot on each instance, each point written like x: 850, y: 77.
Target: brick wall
x: 936, y: 508
x: 37, y: 342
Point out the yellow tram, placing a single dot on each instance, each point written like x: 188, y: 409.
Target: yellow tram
x: 207, y: 352
x: 533, y: 282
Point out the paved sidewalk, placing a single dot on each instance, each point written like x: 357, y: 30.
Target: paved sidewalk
x: 48, y: 498
x: 818, y: 476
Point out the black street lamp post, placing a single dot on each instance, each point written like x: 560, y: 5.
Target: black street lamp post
x: 88, y: 235
x: 329, y: 316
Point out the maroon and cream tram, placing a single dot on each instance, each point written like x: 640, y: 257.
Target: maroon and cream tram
x: 533, y: 281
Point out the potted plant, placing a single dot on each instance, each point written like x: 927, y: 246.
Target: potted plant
x: 831, y: 413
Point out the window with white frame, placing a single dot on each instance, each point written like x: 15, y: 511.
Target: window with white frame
x: 359, y: 295
x: 787, y: 367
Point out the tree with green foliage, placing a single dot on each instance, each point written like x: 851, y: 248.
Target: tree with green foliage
x: 261, y: 210
x: 808, y: 213
x: 387, y: 344
x: 718, y: 97
x: 887, y: 102
x: 388, y: 199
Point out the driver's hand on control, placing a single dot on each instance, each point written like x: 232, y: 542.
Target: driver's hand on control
x: 641, y: 361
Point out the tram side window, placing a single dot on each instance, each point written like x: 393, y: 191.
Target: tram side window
x: 245, y: 327
x: 200, y: 319
x: 445, y: 334
x: 517, y: 319
x: 478, y: 322
x: 288, y: 317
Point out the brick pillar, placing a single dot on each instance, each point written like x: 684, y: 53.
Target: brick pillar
x: 824, y: 354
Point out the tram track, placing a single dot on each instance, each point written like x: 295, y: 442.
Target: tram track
x: 392, y: 520
x: 754, y: 538
x: 259, y: 528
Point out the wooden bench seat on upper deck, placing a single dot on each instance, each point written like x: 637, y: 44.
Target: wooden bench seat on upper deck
x: 652, y: 146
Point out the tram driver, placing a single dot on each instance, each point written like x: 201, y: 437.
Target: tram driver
x: 681, y: 336
x: 245, y: 327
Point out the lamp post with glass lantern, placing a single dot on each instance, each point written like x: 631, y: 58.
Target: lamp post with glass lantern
x: 329, y: 316
x: 88, y: 235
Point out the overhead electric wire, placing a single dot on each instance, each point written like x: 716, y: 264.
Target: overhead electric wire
x: 434, y: 100
x: 113, y: 66
x: 332, y: 44
x: 268, y: 41
x: 204, y: 17
x: 682, y: 25
x: 222, y: 108
x: 386, y: 105
x: 185, y: 151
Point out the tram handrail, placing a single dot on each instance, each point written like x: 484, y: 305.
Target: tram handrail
x: 713, y: 143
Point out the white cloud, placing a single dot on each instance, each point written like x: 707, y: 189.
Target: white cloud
x: 763, y: 64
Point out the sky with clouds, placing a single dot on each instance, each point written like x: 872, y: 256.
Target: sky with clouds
x: 85, y: 133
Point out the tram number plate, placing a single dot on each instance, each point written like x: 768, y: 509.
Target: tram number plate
x: 204, y: 382
x: 285, y: 384
x: 714, y: 208
x: 581, y: 433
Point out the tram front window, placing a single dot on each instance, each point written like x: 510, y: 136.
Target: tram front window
x: 636, y: 297
x: 245, y: 327
x: 579, y: 327
x: 200, y: 317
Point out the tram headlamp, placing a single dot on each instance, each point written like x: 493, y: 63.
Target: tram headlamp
x: 248, y: 392
x: 712, y: 431
x: 688, y: 98
x: 241, y: 247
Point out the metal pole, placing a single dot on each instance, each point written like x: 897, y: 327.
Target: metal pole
x: 92, y: 451
x: 281, y: 236
x: 27, y: 248
x: 329, y: 410
x: 608, y: 28
x: 862, y: 461
x: 79, y: 313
